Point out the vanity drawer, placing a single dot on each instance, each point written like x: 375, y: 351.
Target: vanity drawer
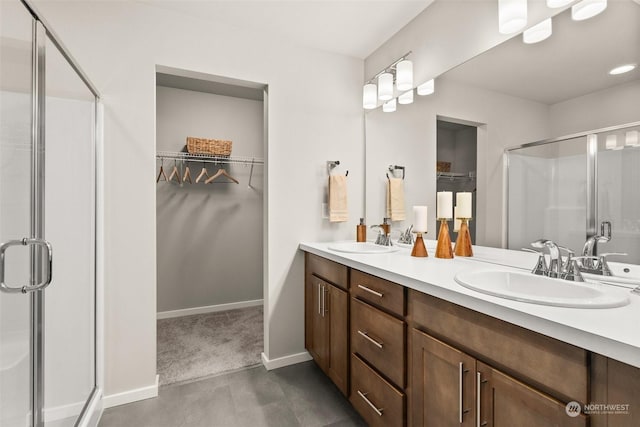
x: 555, y: 367
x: 379, y: 338
x: 330, y: 271
x: 379, y: 403
x: 377, y: 291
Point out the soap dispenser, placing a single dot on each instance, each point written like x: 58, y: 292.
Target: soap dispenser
x: 361, y: 231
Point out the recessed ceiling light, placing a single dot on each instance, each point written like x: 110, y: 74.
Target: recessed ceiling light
x: 622, y: 69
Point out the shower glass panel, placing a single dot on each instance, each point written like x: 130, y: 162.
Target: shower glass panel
x: 618, y: 189
x: 547, y: 193
x: 15, y: 183
x: 69, y: 320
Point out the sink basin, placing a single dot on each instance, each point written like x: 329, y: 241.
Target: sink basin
x: 361, y: 248
x: 526, y: 287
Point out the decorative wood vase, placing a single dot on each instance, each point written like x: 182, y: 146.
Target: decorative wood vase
x: 463, y: 243
x: 419, y: 249
x: 443, y: 250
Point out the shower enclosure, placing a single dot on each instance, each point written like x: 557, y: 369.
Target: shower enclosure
x: 48, y: 116
x: 563, y: 189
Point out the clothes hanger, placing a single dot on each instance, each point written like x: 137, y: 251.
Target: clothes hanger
x: 161, y: 174
x: 175, y: 173
x: 203, y: 173
x: 221, y: 172
x: 187, y: 175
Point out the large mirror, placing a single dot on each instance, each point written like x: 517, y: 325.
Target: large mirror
x: 513, y: 94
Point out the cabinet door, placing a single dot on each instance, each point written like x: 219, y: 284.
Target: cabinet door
x: 442, y: 384
x: 317, y: 322
x: 336, y: 310
x: 506, y: 402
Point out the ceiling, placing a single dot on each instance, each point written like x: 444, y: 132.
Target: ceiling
x: 574, y: 61
x: 349, y: 27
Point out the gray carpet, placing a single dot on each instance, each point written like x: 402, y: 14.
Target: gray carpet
x: 202, y: 345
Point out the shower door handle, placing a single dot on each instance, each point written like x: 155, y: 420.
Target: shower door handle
x: 48, y: 258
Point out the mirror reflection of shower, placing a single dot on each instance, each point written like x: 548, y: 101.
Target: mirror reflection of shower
x: 456, y: 164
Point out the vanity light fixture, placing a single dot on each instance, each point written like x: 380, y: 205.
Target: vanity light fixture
x: 385, y: 86
x: 399, y: 71
x: 612, y: 143
x: 426, y: 88
x: 389, y: 106
x: 406, y: 98
x: 587, y: 9
x: 369, y: 96
x: 404, y: 75
x: 631, y: 139
x: 557, y: 3
x: 538, y: 32
x: 622, y: 69
x: 512, y: 16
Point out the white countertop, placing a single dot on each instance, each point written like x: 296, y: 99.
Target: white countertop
x: 612, y: 332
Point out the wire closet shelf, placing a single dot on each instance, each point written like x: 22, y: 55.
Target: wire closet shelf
x: 184, y: 157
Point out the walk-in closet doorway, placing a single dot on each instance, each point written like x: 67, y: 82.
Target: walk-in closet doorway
x: 210, y: 222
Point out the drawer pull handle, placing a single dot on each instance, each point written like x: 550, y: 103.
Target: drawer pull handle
x: 460, y: 385
x: 376, y: 293
x: 371, y: 340
x: 319, y: 299
x: 364, y: 397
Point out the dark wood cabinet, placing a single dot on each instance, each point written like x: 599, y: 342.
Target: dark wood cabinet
x: 502, y: 400
x: 404, y: 357
x: 451, y: 388
x: 326, y: 321
x: 442, y: 381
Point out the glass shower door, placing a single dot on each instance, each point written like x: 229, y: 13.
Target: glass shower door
x: 69, y: 319
x: 15, y: 211
x: 547, y: 193
x: 618, y: 192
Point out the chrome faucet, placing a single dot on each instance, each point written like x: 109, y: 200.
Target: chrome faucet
x: 590, y: 248
x: 551, y: 269
x: 567, y: 269
x: 384, y: 234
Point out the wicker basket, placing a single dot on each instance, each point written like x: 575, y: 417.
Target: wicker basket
x: 443, y: 166
x: 214, y: 147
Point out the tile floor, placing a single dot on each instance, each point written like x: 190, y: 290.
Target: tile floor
x: 298, y: 395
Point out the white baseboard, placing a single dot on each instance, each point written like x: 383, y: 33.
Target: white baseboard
x: 129, y: 396
x: 280, y: 362
x: 208, y: 309
x: 64, y: 411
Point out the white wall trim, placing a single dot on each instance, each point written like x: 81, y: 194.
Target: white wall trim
x: 281, y: 362
x: 209, y: 309
x: 130, y: 396
x: 63, y: 411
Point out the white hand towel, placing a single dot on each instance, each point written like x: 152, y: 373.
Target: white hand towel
x: 338, y: 211
x: 395, y: 199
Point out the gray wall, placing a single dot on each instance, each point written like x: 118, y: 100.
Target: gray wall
x: 209, y: 236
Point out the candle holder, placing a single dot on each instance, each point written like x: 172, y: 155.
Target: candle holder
x: 443, y: 250
x: 463, y: 242
x: 419, y: 249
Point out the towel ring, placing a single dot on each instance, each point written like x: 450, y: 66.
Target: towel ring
x: 392, y: 168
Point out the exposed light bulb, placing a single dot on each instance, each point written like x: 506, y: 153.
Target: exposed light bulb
x: 404, y: 75
x: 426, y: 88
x: 385, y: 86
x: 512, y: 16
x: 369, y: 96
x: 587, y: 9
x: 389, y: 106
x: 538, y: 32
x: 406, y: 98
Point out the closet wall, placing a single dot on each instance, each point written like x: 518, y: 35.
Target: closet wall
x: 209, y: 236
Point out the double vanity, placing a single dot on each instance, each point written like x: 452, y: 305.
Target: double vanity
x: 470, y: 341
